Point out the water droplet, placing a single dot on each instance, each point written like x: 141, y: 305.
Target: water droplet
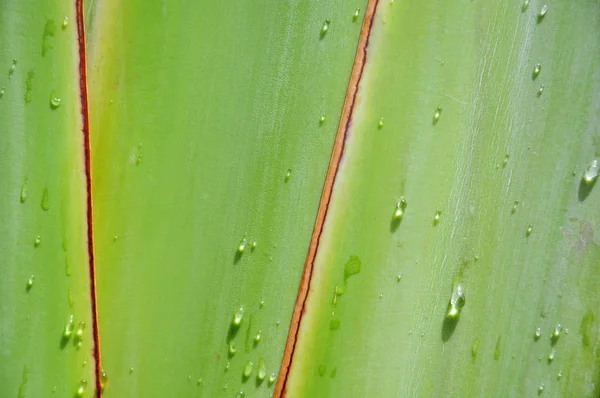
x: 262, y: 370
x: 70, y: 298
x: 2, y: 89
x: 559, y: 375
x: 79, y: 331
x: 12, y: 68
x: 436, y: 217
x: 457, y: 302
x: 556, y: 333
x: 537, y: 334
x: 37, y: 241
x: 505, y: 161
x: 103, y: 379
x: 525, y: 5
x: 334, y: 324
x: 277, y: 322
x: 529, y: 229
x: 227, y: 366
x: 248, y: 369
x: 322, y: 369
x: 242, y: 246
x: 400, y: 208
x: 28, y: 86
x: 540, y: 91
x: 81, y: 389
x: 542, y: 13
x: 515, y: 206
x: 536, y: 71
x: 380, y: 124
x: 398, y: 278
x: 253, y: 245
x: 45, y: 200
x: 497, y: 349
x: 131, y: 370
x: 551, y: 356
x: 30, y: 282
x: 475, y: 348
x: 322, y: 119
x: 54, y: 100
x: 356, y: 14
x: 325, y: 28
x: 272, y: 379
x: 262, y: 303
x: 241, y: 394
x: 237, y: 318
x: 288, y: 175
x: 591, y: 173
x: 257, y: 338
x: 437, y: 114
x: 232, y: 349
x: 200, y: 381
x: 540, y: 389
x: 23, y: 196
x: 138, y: 160
x: 65, y: 23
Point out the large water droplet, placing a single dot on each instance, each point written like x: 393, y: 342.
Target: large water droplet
x: 556, y: 333
x: 591, y: 173
x: 248, y: 369
x: 65, y: 23
x: 457, y: 302
x: 242, y: 246
x: 237, y: 318
x: 23, y: 196
x: 551, y: 356
x: 54, y: 100
x: 103, y: 379
x: 540, y: 91
x: 436, y: 217
x: 37, y: 241
x: 380, y: 124
x: 79, y: 331
x: 12, y: 68
x: 81, y: 389
x: 262, y: 370
x: 45, y: 200
x: 69, y: 327
x: 272, y: 379
x: 257, y: 338
x: 525, y: 5
x: 536, y: 71
x: 437, y: 114
x: 529, y: 230
x: 537, y: 334
x: 540, y: 389
x: 30, y: 282
x: 325, y: 28
x: 356, y: 14
x: 400, y: 208
x: 322, y: 119
x: 542, y: 13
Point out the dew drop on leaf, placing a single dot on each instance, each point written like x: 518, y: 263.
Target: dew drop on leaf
x: 591, y: 173
x: 536, y: 71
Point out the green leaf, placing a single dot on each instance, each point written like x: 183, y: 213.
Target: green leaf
x: 499, y: 234
x: 44, y: 272
x: 212, y: 127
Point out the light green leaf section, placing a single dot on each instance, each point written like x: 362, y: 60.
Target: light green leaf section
x: 450, y: 307
x: 207, y: 137
x: 44, y: 274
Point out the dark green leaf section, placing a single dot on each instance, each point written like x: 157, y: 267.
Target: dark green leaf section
x: 212, y: 129
x: 44, y: 274
x: 463, y: 192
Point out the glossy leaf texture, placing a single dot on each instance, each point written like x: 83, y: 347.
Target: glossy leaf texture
x: 460, y: 252
x: 46, y: 340
x: 212, y: 125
